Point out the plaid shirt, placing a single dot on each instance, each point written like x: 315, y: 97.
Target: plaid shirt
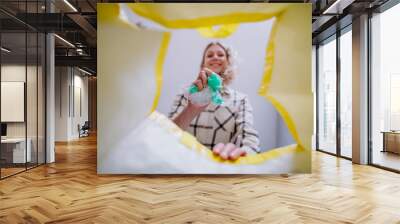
x: 230, y: 122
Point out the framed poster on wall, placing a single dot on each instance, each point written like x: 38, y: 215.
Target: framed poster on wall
x: 204, y: 88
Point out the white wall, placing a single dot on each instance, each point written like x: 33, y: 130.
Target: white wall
x: 79, y: 117
x: 249, y: 42
x: 69, y: 82
x: 62, y: 80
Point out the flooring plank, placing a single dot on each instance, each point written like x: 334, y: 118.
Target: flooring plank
x: 70, y: 191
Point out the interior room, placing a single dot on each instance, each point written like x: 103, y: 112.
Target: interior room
x: 22, y: 102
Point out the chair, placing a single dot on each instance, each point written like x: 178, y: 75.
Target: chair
x: 84, y: 130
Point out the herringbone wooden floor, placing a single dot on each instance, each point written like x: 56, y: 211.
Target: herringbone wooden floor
x: 70, y: 191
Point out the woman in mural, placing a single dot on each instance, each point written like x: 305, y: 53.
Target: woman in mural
x: 227, y: 129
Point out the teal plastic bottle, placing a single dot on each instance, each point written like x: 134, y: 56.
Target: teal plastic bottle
x: 214, y: 83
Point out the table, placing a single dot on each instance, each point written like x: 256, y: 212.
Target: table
x: 391, y: 141
x: 13, y: 150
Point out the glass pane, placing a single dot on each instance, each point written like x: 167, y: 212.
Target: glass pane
x: 386, y: 89
x: 32, y: 96
x: 41, y: 98
x: 394, y: 101
x: 327, y: 97
x: 314, y: 76
x: 13, y: 90
x: 346, y: 94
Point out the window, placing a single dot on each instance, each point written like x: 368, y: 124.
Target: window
x: 394, y: 102
x: 385, y: 89
x: 327, y: 96
x: 346, y: 93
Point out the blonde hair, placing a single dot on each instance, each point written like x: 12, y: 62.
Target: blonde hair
x: 229, y: 73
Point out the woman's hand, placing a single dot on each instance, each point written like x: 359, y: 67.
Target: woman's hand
x: 195, y: 108
x: 192, y: 110
x: 228, y: 151
x: 201, y: 81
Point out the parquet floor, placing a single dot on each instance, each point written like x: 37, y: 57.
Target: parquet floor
x: 10, y: 171
x: 70, y: 191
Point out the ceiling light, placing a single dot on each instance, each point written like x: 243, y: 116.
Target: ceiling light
x: 70, y: 5
x: 5, y: 49
x: 84, y: 71
x: 79, y: 51
x: 65, y: 41
x: 338, y: 6
x: 329, y: 9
